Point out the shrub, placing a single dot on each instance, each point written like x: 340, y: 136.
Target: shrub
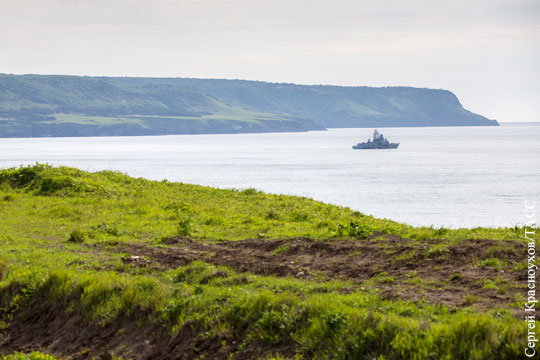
x: 56, y: 185
x: 184, y: 226
x: 354, y: 229
x: 104, y: 228
x: 299, y: 217
x: 421, y: 234
x: 9, y: 197
x: 76, y: 236
x: 22, y: 176
x: 493, y: 263
x: 272, y: 215
x: 250, y: 191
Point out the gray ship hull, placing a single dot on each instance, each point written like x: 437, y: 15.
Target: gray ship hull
x: 363, y: 146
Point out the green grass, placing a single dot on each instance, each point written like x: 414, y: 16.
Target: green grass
x: 493, y: 263
x: 52, y: 218
x: 91, y: 120
x: 220, y: 112
x: 272, y: 311
x: 146, y: 210
x: 30, y: 356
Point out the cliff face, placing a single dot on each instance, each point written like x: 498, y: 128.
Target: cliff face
x: 47, y: 105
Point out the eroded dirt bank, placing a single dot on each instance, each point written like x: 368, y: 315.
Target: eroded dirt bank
x: 68, y: 336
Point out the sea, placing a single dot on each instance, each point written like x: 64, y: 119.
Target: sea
x: 439, y: 176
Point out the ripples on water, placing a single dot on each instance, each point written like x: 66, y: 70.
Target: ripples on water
x: 448, y: 176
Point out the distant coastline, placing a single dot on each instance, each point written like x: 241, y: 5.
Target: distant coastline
x: 63, y: 105
x: 520, y: 123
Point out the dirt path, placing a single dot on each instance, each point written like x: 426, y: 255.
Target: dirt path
x: 455, y: 276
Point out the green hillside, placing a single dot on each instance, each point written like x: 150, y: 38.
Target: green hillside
x: 103, y: 265
x: 60, y: 105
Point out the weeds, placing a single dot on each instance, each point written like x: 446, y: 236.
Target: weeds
x: 281, y: 249
x: 272, y: 215
x: 76, y: 236
x: 470, y: 299
x: 494, y: 263
x: 9, y: 197
x: 184, y: 226
x: 354, y: 229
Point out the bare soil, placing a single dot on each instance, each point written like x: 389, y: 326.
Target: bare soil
x: 399, y: 268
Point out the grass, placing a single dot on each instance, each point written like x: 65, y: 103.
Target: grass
x: 493, y: 263
x: 282, y: 248
x: 54, y: 219
x: 272, y: 311
x: 221, y: 112
x: 34, y: 355
x: 91, y: 120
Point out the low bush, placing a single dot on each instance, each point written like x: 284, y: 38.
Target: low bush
x: 76, y: 236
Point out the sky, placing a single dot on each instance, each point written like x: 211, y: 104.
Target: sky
x: 485, y: 51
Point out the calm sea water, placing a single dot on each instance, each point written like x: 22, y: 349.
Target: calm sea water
x: 450, y: 176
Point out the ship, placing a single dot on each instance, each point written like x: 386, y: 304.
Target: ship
x: 378, y: 142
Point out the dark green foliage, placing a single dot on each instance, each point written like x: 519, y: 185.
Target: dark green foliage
x: 9, y: 197
x: 104, y: 228
x: 54, y: 185
x: 354, y: 229
x: 184, y: 226
x: 21, y: 177
x: 299, y: 216
x: 272, y: 215
x: 76, y: 236
x: 42, y: 180
x: 250, y: 191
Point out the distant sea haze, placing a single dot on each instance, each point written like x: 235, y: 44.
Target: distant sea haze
x: 441, y: 176
x: 60, y: 105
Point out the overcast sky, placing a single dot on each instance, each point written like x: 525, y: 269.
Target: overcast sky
x: 486, y: 51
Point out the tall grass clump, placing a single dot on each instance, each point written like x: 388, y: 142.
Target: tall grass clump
x: 76, y: 236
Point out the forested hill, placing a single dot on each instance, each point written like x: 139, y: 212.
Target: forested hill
x: 61, y: 105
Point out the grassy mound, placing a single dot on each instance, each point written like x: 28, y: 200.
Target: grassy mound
x: 67, y: 269
x: 129, y: 206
